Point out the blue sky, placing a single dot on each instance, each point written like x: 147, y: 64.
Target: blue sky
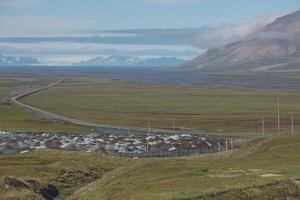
x: 131, y: 14
x: 179, y: 25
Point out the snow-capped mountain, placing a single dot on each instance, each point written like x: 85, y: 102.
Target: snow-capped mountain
x: 17, y: 61
x: 119, y: 61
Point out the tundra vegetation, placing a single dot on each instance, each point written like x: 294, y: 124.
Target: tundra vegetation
x: 264, y: 168
x: 214, y: 109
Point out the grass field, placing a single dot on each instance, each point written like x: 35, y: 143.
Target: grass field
x: 265, y: 169
x: 17, y: 119
x: 133, y: 104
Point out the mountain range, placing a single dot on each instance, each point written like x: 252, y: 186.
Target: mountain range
x: 17, y: 61
x: 111, y: 61
x: 275, y: 47
x: 120, y: 61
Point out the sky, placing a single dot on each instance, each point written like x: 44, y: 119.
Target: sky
x: 68, y: 31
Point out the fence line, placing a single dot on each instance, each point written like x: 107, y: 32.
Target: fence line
x: 229, y: 144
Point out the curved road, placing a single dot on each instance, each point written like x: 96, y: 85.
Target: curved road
x: 16, y: 100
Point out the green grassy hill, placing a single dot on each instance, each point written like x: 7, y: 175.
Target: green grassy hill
x: 264, y: 169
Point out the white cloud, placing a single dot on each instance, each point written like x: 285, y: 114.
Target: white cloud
x: 225, y: 34
x: 203, y: 38
x: 65, y: 48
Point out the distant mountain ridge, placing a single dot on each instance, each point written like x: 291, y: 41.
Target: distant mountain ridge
x: 119, y: 61
x: 17, y: 61
x: 276, y: 47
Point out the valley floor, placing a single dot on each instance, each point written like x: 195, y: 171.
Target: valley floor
x: 130, y: 104
x: 266, y: 168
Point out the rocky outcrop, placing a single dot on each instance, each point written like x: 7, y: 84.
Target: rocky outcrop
x: 46, y: 191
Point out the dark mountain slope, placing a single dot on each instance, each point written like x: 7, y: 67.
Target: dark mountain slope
x: 275, y: 47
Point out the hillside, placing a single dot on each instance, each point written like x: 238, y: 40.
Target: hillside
x: 46, y: 174
x: 264, y: 169
x: 276, y: 47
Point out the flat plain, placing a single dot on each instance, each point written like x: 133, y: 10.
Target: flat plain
x: 132, y: 104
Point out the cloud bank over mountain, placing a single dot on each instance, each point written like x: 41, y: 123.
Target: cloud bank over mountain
x: 275, y: 47
x: 93, y: 50
x: 184, y: 43
x: 203, y: 38
x: 78, y: 30
x: 225, y: 34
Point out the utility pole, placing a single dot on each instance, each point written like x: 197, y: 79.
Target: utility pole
x: 147, y: 139
x: 263, y: 127
x: 278, y: 114
x: 292, y: 123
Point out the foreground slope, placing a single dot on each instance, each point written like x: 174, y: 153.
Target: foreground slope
x: 275, y: 47
x: 264, y: 169
x: 47, y: 174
